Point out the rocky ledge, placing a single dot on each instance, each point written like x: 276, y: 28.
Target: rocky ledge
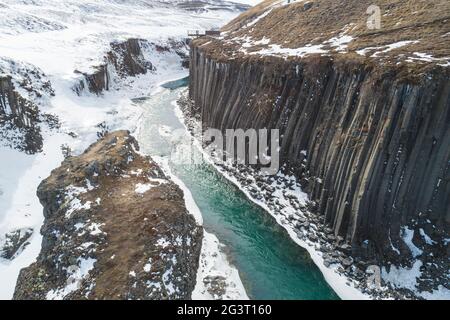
x: 115, y: 228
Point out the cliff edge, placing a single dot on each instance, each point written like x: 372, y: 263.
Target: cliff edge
x: 115, y: 228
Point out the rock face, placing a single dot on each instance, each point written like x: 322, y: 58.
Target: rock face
x: 371, y: 144
x: 125, y: 59
x: 115, y: 228
x: 19, y: 113
x: 14, y: 242
x: 22, y: 88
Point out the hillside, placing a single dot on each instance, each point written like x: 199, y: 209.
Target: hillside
x: 68, y: 73
x: 412, y: 34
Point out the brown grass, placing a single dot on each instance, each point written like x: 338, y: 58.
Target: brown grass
x: 292, y: 26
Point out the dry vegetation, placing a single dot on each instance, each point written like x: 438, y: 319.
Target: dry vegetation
x: 130, y: 226
x: 315, y: 22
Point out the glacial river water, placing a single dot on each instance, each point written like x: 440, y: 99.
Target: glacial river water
x: 270, y: 264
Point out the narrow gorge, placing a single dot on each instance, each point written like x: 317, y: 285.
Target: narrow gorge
x: 368, y: 138
x: 112, y: 186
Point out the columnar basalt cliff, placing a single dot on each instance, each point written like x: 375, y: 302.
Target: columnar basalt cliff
x: 115, y: 228
x: 19, y: 110
x: 368, y: 139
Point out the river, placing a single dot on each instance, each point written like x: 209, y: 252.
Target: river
x: 270, y: 264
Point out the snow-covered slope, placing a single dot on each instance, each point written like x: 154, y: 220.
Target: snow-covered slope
x: 55, y: 38
x: 329, y: 82
x: 411, y: 32
x: 60, y: 37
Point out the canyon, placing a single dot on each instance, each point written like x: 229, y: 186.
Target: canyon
x: 115, y: 228
x: 368, y: 138
x: 69, y: 75
x: 364, y: 123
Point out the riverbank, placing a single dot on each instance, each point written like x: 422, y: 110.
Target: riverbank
x: 217, y: 278
x: 282, y: 198
x: 270, y: 264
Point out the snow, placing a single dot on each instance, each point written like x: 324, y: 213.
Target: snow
x: 19, y: 206
x: 89, y: 26
x: 340, y: 43
x: 74, y: 202
x: 162, y: 242
x: 76, y: 275
x: 58, y: 38
x: 441, y: 293
x: 403, y: 277
x: 393, y: 247
x: 415, y: 57
x: 94, y: 229
x: 143, y: 187
x: 427, y: 239
x: 426, y: 57
x: 79, y: 226
x: 258, y: 18
x: 407, y: 236
x: 212, y: 260
x: 167, y: 275
x: 165, y: 131
x: 250, y: 2
x: 385, y: 48
x: 148, y: 266
x: 277, y: 50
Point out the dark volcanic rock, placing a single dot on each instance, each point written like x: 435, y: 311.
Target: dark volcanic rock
x: 23, y: 89
x: 380, y: 143
x: 15, y: 242
x: 126, y: 59
x: 18, y: 113
x: 115, y: 228
x: 368, y: 139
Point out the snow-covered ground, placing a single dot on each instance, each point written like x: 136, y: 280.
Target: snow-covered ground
x: 59, y: 37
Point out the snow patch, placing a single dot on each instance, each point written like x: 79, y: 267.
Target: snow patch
x: 76, y: 276
x: 407, y: 236
x: 403, y: 277
x: 213, y: 264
